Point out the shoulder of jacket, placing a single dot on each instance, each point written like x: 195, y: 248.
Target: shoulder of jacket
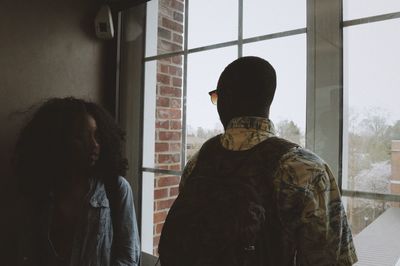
x: 302, y: 168
x: 123, y: 184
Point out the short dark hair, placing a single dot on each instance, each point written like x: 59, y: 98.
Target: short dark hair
x: 42, y: 142
x: 251, y: 82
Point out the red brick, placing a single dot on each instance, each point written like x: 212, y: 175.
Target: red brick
x: 176, y: 167
x: 163, y: 124
x: 164, y: 68
x: 175, y: 147
x: 159, y: 217
x: 167, y: 46
x: 167, y: 113
x: 173, y: 191
x: 177, y: 38
x: 168, y: 181
x: 165, y: 60
x: 177, y: 5
x: 175, y: 103
x: 164, y: 204
x: 170, y: 24
x: 170, y: 91
x: 165, y: 33
x: 175, y: 71
x: 155, y: 251
x: 169, y: 158
x: 164, y: 79
x: 164, y: 9
x: 159, y: 228
x: 161, y: 147
x: 177, y: 82
x: 156, y: 240
x: 178, y: 16
x: 162, y: 167
x: 160, y: 193
x: 163, y: 102
x: 169, y: 135
x: 177, y: 60
x: 176, y: 124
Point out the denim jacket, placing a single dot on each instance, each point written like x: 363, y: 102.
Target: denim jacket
x: 95, y: 243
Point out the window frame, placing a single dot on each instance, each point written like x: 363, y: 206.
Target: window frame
x: 318, y: 35
x: 365, y: 194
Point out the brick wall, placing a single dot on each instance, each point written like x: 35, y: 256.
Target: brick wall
x: 168, y: 135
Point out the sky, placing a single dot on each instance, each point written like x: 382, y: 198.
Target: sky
x: 220, y: 24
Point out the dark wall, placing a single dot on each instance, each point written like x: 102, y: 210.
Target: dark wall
x: 47, y: 49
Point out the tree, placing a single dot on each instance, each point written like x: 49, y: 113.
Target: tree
x: 289, y: 130
x: 393, y: 131
x: 201, y: 133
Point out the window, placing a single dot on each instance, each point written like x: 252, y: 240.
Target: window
x: 335, y: 95
x: 185, y: 53
x: 371, y: 86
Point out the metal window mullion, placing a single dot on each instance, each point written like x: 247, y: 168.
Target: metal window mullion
x: 371, y: 195
x: 324, y: 81
x: 184, y: 84
x: 160, y: 171
x: 371, y: 19
x: 229, y: 43
x: 240, y: 29
x: 275, y: 35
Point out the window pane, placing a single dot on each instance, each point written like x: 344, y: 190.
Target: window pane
x: 371, y: 81
x: 353, y: 9
x: 212, y: 22
x: 159, y: 192
x: 262, y: 17
x: 163, y: 114
x: 202, y: 116
x: 288, y: 57
x: 164, y: 27
x: 376, y: 230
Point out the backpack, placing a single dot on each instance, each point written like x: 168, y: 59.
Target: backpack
x: 219, y: 216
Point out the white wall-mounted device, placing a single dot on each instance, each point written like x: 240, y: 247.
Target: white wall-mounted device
x: 104, y: 24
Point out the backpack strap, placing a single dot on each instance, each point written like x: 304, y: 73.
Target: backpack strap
x: 213, y: 156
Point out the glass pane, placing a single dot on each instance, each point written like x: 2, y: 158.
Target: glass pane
x: 362, y: 212
x: 353, y: 9
x: 163, y: 114
x: 202, y: 116
x: 262, y: 17
x: 288, y: 57
x: 371, y: 81
x: 212, y: 22
x: 376, y: 230
x: 159, y: 192
x: 164, y: 27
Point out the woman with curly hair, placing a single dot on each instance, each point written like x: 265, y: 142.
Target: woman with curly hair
x: 78, y: 209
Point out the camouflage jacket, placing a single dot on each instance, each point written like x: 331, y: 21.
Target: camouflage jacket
x: 320, y: 233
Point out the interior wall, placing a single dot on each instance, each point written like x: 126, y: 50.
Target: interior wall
x: 47, y: 49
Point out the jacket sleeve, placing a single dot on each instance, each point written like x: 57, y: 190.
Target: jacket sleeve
x: 320, y: 226
x: 126, y: 244
x: 188, y: 170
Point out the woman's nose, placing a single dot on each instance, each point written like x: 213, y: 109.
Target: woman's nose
x: 95, y: 144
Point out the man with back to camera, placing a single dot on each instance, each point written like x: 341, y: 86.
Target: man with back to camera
x: 307, y: 224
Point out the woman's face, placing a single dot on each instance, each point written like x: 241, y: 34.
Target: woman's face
x: 86, y: 147
x: 93, y: 141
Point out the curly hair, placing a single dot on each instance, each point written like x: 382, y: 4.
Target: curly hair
x: 43, y: 146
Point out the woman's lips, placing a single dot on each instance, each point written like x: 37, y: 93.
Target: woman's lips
x: 94, y: 157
